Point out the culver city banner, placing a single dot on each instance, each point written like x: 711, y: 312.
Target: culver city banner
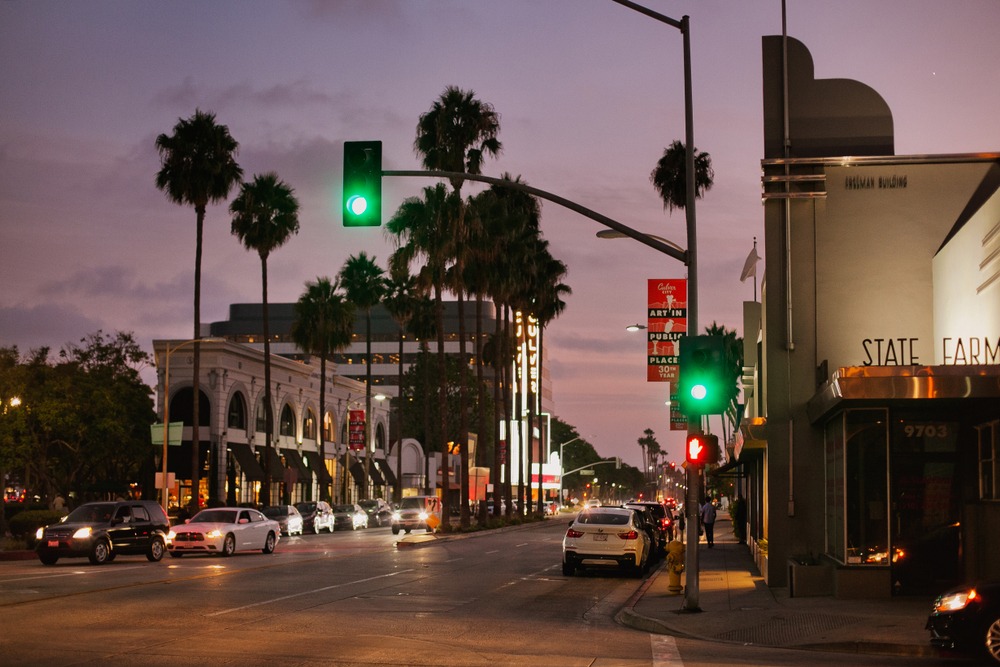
x: 666, y: 314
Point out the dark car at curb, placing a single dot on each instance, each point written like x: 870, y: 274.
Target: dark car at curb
x: 967, y: 619
x: 103, y: 530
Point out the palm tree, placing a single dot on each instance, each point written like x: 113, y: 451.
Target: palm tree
x: 197, y: 167
x: 324, y: 323
x: 670, y: 175
x: 364, y: 282
x: 265, y: 216
x: 421, y: 228
x: 734, y: 370
x: 401, y: 300
x: 455, y: 135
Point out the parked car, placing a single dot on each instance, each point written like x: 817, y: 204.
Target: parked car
x: 316, y: 516
x: 650, y: 524
x: 604, y: 536
x: 967, y: 619
x: 102, y: 530
x: 224, y: 531
x: 287, y: 516
x: 663, y: 516
x: 592, y: 502
x: 350, y: 517
x: 417, y: 512
x: 379, y: 512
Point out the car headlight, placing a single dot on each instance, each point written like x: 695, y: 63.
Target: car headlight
x: 171, y: 535
x: 82, y: 534
x: 396, y: 516
x: 423, y: 516
x: 214, y: 534
x: 956, y: 601
x: 40, y: 533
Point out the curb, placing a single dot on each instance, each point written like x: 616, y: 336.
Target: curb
x: 17, y: 555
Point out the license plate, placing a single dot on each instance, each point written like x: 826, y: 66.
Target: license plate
x: 600, y: 538
x: 53, y: 543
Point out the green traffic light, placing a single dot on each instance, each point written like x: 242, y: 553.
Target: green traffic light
x: 699, y: 392
x: 357, y: 205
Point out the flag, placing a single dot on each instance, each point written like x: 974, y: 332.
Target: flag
x: 750, y: 266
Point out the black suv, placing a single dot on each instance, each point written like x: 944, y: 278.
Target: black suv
x: 102, y: 530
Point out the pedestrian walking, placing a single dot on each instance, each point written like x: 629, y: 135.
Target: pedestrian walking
x: 708, y: 521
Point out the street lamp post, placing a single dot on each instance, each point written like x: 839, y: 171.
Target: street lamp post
x: 693, y: 472
x: 562, y: 464
x: 166, y: 409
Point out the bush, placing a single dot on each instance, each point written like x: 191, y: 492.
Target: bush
x: 24, y: 524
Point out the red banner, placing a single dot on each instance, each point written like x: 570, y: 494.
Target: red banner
x: 356, y: 429
x: 666, y: 300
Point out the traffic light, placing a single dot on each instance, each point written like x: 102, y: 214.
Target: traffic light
x: 701, y: 449
x: 702, y: 385
x: 362, y: 183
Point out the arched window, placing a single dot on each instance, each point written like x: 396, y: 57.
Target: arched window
x: 329, y: 429
x: 380, y: 437
x: 287, y: 424
x: 309, y: 426
x: 182, y: 408
x: 237, y: 414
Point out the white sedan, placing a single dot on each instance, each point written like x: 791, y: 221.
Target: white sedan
x: 602, y: 536
x: 224, y: 530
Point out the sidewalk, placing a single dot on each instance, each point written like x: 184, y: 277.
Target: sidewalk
x: 737, y: 606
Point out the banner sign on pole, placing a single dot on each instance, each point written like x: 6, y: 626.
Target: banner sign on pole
x: 356, y: 429
x: 666, y: 324
x: 174, y: 433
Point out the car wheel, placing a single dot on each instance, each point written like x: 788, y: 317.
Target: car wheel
x: 316, y: 529
x: 229, y: 545
x: 395, y: 530
x: 269, y: 544
x: 406, y: 530
x: 48, y: 559
x: 568, y: 569
x: 156, y: 549
x: 100, y: 552
x: 992, y: 645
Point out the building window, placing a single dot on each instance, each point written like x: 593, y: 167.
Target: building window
x: 309, y: 426
x: 237, y: 416
x: 329, y: 428
x: 989, y: 462
x: 261, y: 422
x: 287, y: 424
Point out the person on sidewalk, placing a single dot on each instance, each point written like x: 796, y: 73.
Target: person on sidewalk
x: 708, y: 520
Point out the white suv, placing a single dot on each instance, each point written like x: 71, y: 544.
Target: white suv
x: 603, y: 536
x: 417, y: 512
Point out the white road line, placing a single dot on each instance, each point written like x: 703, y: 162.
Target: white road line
x: 665, y: 653
x: 74, y: 573
x: 315, y: 590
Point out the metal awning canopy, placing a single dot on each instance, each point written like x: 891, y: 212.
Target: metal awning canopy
x: 878, y: 385
x: 751, y: 434
x: 247, y: 461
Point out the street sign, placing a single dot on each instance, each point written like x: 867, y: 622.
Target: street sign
x: 174, y: 435
x: 588, y: 471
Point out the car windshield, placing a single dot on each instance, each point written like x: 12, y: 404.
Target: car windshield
x: 306, y: 507
x: 412, y: 504
x: 368, y: 503
x: 215, y: 516
x: 343, y: 508
x: 275, y: 512
x: 91, y: 513
x: 606, y: 518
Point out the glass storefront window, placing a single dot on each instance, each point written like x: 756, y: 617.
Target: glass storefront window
x: 835, y: 534
x: 989, y: 460
x: 866, y: 507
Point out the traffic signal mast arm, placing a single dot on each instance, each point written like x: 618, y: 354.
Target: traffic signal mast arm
x: 655, y: 244
x: 617, y: 461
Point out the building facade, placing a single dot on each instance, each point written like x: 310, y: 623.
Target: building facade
x: 871, y: 435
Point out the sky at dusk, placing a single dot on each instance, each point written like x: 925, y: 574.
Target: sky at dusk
x: 589, y: 93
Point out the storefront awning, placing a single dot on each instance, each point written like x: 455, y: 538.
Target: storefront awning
x: 316, y: 464
x: 881, y: 385
x: 277, y: 467
x: 730, y: 469
x: 750, y: 435
x: 294, y: 461
x: 247, y: 461
x: 358, y: 473
x: 386, y: 471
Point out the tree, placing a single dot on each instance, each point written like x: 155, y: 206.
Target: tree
x: 364, y: 282
x: 324, y: 324
x: 197, y: 167
x: 455, y: 135
x: 734, y: 371
x: 669, y: 177
x: 265, y: 215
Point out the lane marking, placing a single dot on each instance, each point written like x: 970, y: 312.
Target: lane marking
x: 74, y: 573
x: 315, y: 590
x: 665, y: 652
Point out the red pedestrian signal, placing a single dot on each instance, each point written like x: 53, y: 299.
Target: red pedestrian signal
x: 701, y: 449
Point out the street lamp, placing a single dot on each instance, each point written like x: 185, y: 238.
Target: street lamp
x: 691, y: 260
x: 635, y: 327
x: 398, y: 490
x: 615, y: 234
x: 166, y: 407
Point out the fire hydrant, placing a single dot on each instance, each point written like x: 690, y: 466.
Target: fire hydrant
x: 675, y: 565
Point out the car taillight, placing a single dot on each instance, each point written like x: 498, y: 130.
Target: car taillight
x: 629, y: 535
x: 572, y: 532
x: 665, y: 522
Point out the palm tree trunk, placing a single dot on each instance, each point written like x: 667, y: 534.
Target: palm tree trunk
x: 505, y: 363
x: 196, y: 385
x: 480, y: 388
x: 442, y: 405
x: 368, y: 402
x: 499, y: 436
x: 463, y: 412
x: 268, y: 411
x: 324, y: 492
